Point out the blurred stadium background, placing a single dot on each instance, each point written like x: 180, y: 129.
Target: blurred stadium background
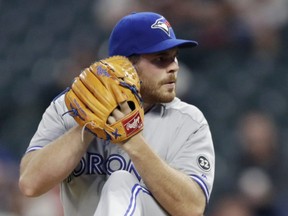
x: 237, y: 76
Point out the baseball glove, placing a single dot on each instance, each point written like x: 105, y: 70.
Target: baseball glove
x: 99, y: 90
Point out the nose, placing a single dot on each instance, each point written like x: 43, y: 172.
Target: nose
x: 174, y: 66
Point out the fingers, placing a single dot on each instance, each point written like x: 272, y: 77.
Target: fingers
x: 119, y: 113
x: 111, y: 120
x: 115, y: 116
x: 125, y: 108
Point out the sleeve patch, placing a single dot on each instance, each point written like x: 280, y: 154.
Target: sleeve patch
x: 203, y: 163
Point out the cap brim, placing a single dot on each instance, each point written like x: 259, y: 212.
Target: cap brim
x: 168, y: 44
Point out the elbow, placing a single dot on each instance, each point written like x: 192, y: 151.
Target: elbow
x: 28, y: 188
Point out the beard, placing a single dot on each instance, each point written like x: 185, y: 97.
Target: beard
x: 152, y: 92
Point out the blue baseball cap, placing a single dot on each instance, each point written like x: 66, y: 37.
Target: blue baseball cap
x: 144, y: 33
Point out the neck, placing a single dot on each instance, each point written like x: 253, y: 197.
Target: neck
x: 147, y: 106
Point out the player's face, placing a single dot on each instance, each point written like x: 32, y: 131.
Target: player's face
x: 158, y: 73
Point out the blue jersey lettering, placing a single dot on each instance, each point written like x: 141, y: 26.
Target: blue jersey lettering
x: 95, y: 164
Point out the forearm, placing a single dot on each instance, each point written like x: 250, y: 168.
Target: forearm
x: 43, y: 169
x: 174, y: 190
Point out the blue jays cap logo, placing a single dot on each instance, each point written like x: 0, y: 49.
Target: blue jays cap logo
x: 163, y: 25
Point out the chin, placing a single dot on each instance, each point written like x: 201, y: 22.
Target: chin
x: 167, y: 98
x: 158, y: 97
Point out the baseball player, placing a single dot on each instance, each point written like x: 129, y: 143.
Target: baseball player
x: 167, y: 168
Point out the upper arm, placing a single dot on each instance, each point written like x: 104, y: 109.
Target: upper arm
x: 196, y: 158
x: 52, y: 125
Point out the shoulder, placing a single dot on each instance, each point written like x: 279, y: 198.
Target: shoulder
x: 58, y: 112
x: 59, y: 102
x: 183, y: 109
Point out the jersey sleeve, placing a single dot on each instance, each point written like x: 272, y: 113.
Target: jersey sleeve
x: 193, y: 153
x: 53, y: 124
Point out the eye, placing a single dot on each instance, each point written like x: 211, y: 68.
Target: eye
x: 159, y: 59
x: 163, y: 61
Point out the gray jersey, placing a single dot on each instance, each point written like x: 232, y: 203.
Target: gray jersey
x: 178, y: 133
